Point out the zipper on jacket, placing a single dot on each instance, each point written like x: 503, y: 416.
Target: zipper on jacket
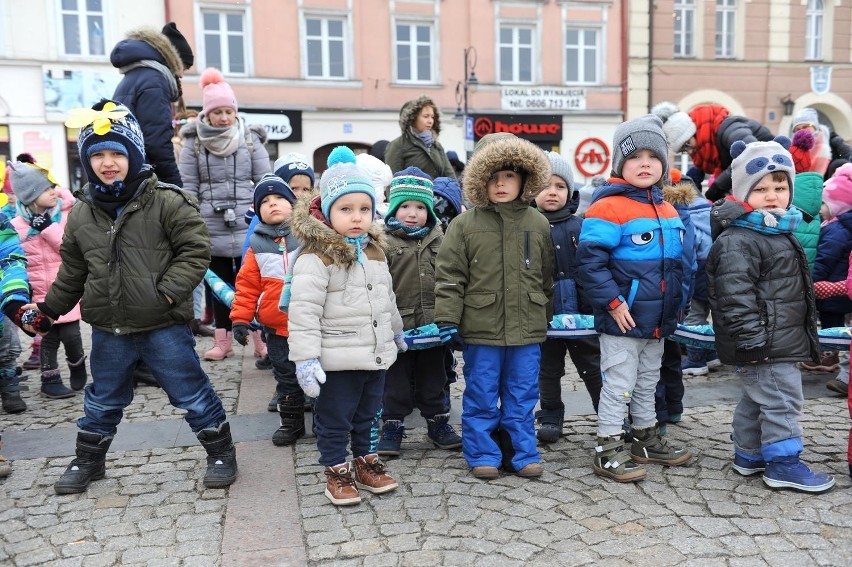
x: 527, y: 249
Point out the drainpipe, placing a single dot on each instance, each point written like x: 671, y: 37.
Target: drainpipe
x: 625, y: 60
x: 650, y: 53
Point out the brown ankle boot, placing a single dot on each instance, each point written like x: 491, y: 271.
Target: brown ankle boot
x: 340, y: 486
x: 371, y: 476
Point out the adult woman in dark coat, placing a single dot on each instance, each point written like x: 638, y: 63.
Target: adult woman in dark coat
x: 418, y: 146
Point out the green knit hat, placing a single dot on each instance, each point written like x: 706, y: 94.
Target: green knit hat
x: 411, y: 184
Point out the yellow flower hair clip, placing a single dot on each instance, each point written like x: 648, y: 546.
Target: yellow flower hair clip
x: 100, y: 119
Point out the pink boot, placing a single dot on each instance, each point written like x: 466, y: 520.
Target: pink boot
x: 221, y: 346
x: 259, y: 345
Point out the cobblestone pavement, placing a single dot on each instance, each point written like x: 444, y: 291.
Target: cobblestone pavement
x: 151, y: 509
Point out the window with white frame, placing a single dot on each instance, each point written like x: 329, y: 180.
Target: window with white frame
x: 414, y: 48
x: 516, y: 54
x: 726, y: 17
x: 325, y: 47
x: 813, y: 29
x: 582, y: 55
x: 225, y: 40
x: 684, y: 28
x: 83, y: 27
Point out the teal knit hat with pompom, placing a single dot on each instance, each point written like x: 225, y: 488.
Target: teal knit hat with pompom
x: 343, y: 176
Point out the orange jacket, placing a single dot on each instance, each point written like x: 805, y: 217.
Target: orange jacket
x: 258, y: 289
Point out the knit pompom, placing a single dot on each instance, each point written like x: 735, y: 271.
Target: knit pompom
x: 211, y: 76
x: 340, y: 154
x: 803, y: 139
x: 664, y: 110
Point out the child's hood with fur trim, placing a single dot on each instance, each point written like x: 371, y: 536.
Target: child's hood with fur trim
x: 409, y: 111
x: 319, y: 238
x: 680, y: 194
x: 505, y: 150
x: 124, y: 53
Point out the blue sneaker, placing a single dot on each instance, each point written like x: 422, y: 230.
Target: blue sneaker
x: 691, y: 367
x: 390, y: 442
x: 748, y: 467
x: 789, y: 472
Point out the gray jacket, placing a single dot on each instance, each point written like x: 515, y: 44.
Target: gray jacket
x: 225, y: 183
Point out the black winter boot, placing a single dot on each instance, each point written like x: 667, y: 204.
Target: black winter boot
x: 550, y: 424
x: 292, y: 413
x: 221, y: 456
x: 89, y: 465
x: 79, y: 376
x: 10, y: 391
x: 441, y: 433
x: 52, y: 386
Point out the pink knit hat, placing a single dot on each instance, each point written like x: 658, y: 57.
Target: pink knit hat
x: 837, y: 191
x: 216, y: 93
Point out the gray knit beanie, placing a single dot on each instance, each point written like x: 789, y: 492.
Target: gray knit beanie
x: 29, y: 181
x: 559, y: 166
x: 643, y: 133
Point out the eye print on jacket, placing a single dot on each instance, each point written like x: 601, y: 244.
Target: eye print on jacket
x: 643, y: 239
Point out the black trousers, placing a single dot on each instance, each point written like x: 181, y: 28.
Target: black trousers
x: 586, y: 356
x: 416, y: 379
x: 225, y: 268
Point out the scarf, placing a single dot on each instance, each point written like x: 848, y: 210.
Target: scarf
x: 773, y: 221
x: 220, y: 142
x: 359, y: 242
x: 174, y: 88
x: 425, y: 136
x: 410, y: 232
x: 110, y: 198
x: 25, y: 213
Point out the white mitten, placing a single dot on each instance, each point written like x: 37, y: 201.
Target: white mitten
x: 310, y: 375
x: 401, y: 345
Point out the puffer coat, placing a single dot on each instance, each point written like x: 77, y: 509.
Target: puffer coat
x: 122, y: 270
x: 220, y: 183
x: 412, y: 266
x: 761, y: 293
x: 341, y: 311
x: 494, y: 271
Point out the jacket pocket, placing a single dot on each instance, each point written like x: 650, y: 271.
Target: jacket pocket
x: 609, y: 361
x: 480, y: 318
x: 535, y: 323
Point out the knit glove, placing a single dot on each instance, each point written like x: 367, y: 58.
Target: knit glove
x: 450, y: 336
x: 34, y: 318
x: 241, y: 333
x: 41, y: 222
x: 824, y: 290
x: 310, y: 375
x: 401, y: 345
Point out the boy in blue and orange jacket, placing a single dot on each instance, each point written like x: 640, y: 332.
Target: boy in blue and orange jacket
x: 632, y: 271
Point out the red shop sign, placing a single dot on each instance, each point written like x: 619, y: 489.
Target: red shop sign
x: 592, y: 157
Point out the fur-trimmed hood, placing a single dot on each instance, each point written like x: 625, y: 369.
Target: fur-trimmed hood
x: 310, y: 227
x: 409, y: 111
x: 680, y: 194
x: 505, y: 150
x: 129, y: 50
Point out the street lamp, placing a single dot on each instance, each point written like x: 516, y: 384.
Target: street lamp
x: 789, y: 105
x: 470, y: 80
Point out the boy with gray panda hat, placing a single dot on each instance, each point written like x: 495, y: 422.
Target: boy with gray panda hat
x: 762, y: 298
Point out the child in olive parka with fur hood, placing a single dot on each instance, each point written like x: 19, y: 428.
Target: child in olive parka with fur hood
x: 418, y: 145
x: 494, y: 280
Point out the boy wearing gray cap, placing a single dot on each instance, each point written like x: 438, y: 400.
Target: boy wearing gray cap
x: 631, y: 268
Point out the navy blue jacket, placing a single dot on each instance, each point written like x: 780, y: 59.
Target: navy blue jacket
x: 832, y: 260
x: 565, y: 235
x: 149, y: 96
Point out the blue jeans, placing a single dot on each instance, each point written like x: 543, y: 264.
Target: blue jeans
x: 283, y: 369
x: 170, y: 354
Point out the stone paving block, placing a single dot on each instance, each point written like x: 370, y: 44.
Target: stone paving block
x: 81, y: 548
x: 35, y: 557
x: 361, y: 548
x: 102, y: 559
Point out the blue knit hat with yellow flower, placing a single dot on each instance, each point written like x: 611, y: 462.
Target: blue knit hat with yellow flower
x: 108, y: 125
x: 343, y: 176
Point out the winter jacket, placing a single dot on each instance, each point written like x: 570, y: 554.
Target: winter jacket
x: 122, y: 270
x: 224, y: 183
x: 42, y: 250
x: 341, y: 311
x: 565, y: 235
x: 408, y: 150
x: 15, y: 287
x: 494, y: 272
x: 808, y: 198
x: 832, y: 259
x: 151, y: 67
x: 411, y: 263
x: 680, y: 196
x: 631, y: 250
x: 699, y: 217
x: 732, y: 129
x: 261, y: 278
x: 761, y: 293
